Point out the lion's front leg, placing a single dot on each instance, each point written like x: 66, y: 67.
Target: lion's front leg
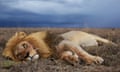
x: 66, y: 54
x: 69, y: 57
x: 88, y: 58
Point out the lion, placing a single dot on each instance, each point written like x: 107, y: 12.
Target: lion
x: 23, y: 47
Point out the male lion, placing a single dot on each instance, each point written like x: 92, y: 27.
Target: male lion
x: 22, y: 47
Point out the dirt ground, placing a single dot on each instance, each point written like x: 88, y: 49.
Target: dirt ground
x: 111, y: 54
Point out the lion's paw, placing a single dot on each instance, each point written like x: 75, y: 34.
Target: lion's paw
x: 95, y: 59
x: 70, y: 57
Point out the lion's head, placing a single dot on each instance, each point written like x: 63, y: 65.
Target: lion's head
x: 25, y: 51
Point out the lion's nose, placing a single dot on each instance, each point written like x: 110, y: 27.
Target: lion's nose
x: 33, y: 58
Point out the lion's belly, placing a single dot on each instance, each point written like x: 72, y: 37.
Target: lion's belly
x: 80, y: 38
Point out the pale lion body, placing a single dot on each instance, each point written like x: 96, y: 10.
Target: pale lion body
x: 74, y: 41
x: 83, y: 38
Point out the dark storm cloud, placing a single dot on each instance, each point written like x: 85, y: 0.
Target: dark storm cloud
x: 101, y: 12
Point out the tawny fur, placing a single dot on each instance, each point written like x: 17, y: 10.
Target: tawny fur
x: 36, y: 39
x: 12, y: 42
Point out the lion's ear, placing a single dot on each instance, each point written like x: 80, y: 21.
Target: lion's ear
x: 20, y: 34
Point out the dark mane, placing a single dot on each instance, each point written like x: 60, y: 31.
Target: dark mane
x: 53, y: 39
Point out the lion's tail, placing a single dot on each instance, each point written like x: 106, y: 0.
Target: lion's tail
x: 104, y: 40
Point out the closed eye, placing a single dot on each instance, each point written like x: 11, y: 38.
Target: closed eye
x: 24, y: 45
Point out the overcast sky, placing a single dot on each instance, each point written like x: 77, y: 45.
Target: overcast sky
x: 64, y: 6
x: 108, y: 9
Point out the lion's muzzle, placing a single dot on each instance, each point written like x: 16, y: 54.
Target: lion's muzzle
x: 32, y: 58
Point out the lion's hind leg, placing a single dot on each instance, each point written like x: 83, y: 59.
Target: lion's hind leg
x: 88, y: 58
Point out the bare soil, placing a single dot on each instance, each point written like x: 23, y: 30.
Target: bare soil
x: 110, y: 53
